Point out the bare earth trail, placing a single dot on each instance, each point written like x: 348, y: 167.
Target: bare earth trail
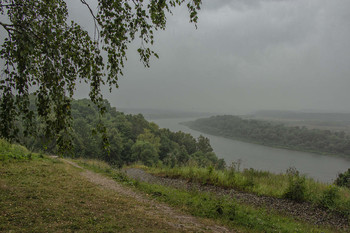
x: 176, y: 219
x: 302, y: 211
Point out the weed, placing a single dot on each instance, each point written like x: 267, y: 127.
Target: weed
x: 330, y: 197
x: 248, y: 183
x: 211, y: 169
x: 296, y: 187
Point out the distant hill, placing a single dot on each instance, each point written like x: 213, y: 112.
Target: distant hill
x: 291, y: 115
x: 274, y: 134
x: 162, y: 114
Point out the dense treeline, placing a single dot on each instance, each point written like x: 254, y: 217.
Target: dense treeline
x: 131, y: 139
x: 267, y: 133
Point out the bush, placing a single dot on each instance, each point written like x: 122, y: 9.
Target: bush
x: 10, y: 151
x: 343, y: 179
x: 345, y: 208
x: 296, y: 189
x: 329, y: 197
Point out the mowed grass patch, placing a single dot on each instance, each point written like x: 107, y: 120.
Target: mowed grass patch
x: 46, y: 195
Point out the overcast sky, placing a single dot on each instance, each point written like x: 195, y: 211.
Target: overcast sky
x: 246, y: 55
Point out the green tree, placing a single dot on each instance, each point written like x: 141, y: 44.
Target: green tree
x: 147, y: 136
x: 343, y: 179
x: 45, y: 52
x: 203, y: 144
x: 145, y: 152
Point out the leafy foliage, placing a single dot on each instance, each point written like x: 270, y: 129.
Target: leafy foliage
x: 46, y: 53
x: 10, y: 151
x: 343, y: 179
x: 267, y: 133
x: 296, y: 186
x: 131, y: 139
x: 329, y: 197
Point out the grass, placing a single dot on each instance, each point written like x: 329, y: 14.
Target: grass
x: 10, y: 152
x: 267, y: 184
x: 226, y: 211
x: 223, y: 210
x: 46, y: 195
x: 41, y: 194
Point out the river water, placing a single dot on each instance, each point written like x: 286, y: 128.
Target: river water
x: 320, y: 167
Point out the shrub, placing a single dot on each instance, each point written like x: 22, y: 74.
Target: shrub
x: 10, y: 151
x: 248, y: 183
x: 296, y: 189
x: 345, y: 208
x: 343, y: 179
x: 329, y: 197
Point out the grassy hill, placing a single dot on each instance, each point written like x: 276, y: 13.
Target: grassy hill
x: 46, y: 195
x: 43, y: 194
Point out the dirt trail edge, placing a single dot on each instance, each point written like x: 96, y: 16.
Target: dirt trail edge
x: 178, y: 220
x: 302, y: 211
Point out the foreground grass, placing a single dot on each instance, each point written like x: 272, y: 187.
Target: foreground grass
x: 46, y: 195
x: 224, y: 210
x: 10, y: 152
x: 265, y: 183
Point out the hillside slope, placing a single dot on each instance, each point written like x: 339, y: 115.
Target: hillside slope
x: 46, y: 194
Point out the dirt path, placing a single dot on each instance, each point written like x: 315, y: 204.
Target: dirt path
x: 176, y: 219
x: 302, y: 211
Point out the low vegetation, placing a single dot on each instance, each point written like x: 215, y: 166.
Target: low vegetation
x: 291, y: 185
x: 343, y: 179
x: 10, y: 151
x: 223, y: 209
x: 275, y: 134
x: 226, y: 211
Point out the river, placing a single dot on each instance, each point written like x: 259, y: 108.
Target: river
x: 320, y: 167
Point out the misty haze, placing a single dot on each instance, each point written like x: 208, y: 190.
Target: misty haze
x: 245, y: 56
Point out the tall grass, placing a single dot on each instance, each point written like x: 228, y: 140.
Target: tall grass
x: 290, y: 185
x: 94, y: 164
x: 10, y: 151
x: 227, y: 211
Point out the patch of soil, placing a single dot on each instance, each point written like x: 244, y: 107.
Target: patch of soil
x: 303, y: 211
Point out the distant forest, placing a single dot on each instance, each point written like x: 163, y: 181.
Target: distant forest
x: 315, y: 116
x: 276, y: 135
x: 131, y: 138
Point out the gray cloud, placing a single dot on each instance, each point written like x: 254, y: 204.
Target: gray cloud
x: 238, y: 4
x: 245, y: 55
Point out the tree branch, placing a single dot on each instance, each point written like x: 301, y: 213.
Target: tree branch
x: 94, y: 17
x: 8, y: 27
